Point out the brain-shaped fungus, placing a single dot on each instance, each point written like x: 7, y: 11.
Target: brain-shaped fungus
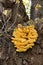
x: 24, y: 37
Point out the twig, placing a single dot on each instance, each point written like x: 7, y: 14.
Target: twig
x: 6, y: 23
x: 3, y: 18
x: 15, y: 18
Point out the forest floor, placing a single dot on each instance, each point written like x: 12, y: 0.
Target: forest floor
x: 8, y: 55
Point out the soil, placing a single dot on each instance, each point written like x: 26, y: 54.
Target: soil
x: 8, y: 54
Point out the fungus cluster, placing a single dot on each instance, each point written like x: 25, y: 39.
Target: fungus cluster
x: 24, y: 37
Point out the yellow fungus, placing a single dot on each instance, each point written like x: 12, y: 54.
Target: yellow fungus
x: 24, y: 37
